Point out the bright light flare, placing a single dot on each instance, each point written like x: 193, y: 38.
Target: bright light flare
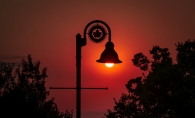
x: 109, y: 65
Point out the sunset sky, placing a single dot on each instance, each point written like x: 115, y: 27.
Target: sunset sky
x: 47, y: 30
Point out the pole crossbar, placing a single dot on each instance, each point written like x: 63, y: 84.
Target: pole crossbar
x: 96, y: 88
x: 75, y: 88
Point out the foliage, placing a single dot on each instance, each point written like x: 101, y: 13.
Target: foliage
x: 23, y: 93
x: 167, y: 91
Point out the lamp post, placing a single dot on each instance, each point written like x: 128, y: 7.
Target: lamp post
x: 97, y: 31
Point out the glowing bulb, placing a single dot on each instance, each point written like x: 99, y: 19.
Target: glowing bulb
x: 109, y: 65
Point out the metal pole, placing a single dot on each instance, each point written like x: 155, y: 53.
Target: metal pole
x: 79, y: 43
x: 78, y: 75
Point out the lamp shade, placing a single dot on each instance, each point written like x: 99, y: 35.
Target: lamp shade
x: 109, y: 55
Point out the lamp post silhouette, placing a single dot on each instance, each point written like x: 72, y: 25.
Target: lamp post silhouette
x: 97, y: 31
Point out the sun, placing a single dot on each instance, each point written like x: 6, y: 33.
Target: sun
x: 109, y: 65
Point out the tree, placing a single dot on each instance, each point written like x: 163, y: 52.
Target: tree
x: 23, y: 93
x: 165, y: 89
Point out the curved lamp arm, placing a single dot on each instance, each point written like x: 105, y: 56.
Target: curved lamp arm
x: 92, y: 22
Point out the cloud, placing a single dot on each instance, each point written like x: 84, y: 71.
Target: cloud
x: 11, y: 59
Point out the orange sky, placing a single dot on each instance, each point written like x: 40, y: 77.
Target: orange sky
x: 47, y: 29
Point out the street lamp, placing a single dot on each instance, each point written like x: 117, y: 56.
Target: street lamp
x: 97, y: 31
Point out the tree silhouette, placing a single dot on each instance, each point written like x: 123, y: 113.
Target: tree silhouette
x: 23, y: 93
x: 165, y: 89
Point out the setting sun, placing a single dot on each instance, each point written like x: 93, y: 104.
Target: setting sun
x: 109, y: 65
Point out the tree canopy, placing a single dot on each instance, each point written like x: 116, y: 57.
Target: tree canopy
x: 166, y: 89
x: 23, y: 93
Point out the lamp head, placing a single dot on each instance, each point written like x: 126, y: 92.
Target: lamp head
x: 109, y: 55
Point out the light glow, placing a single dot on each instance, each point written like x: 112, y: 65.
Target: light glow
x: 109, y: 65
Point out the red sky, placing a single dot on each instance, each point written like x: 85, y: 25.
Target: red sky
x: 47, y: 29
